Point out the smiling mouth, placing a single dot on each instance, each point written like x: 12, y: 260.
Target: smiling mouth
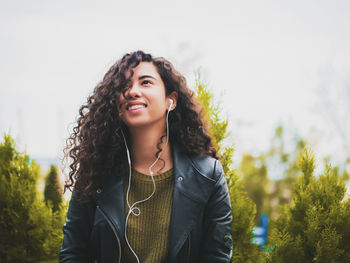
x: 136, y: 106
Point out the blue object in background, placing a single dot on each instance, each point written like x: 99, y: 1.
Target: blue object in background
x: 260, y: 232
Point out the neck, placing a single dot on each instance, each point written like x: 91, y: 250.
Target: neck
x: 144, y: 141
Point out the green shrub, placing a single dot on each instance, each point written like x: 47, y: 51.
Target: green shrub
x: 52, y: 192
x: 316, y: 226
x: 243, y: 208
x: 30, y: 231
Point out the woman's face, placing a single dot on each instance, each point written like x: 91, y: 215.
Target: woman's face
x: 145, y: 103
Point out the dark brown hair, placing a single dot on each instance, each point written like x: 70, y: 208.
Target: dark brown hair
x: 96, y: 145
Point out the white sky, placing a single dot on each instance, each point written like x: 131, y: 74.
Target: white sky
x: 265, y: 61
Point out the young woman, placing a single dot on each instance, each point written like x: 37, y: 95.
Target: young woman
x: 146, y: 180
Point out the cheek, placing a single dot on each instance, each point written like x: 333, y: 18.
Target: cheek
x: 121, y: 98
x: 121, y: 111
x: 122, y: 101
x: 161, y: 104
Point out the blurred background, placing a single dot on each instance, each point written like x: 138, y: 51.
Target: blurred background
x: 277, y: 69
x: 278, y: 73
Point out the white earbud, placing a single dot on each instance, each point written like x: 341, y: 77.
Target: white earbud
x: 171, y: 103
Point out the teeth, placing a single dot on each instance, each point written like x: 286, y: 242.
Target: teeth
x: 134, y: 107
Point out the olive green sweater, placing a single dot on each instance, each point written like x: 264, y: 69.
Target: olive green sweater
x: 148, y: 233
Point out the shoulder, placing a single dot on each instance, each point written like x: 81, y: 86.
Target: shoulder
x: 207, y: 166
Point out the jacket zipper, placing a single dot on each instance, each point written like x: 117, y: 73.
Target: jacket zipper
x: 189, y: 248
x: 114, y: 231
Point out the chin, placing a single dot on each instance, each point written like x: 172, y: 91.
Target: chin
x: 136, y: 124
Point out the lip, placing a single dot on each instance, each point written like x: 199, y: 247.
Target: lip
x: 135, y: 103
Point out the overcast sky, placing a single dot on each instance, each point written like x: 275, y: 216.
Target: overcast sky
x: 267, y: 62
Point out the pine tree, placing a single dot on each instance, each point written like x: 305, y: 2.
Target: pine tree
x: 316, y: 226
x: 30, y: 231
x: 52, y: 193
x: 243, y: 209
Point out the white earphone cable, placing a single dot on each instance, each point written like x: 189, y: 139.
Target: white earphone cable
x: 133, y: 209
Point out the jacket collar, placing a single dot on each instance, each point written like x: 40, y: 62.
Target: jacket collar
x: 190, y: 194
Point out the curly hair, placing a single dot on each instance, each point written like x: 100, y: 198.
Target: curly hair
x: 96, y: 146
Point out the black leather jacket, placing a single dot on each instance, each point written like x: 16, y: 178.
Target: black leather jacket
x: 200, y: 227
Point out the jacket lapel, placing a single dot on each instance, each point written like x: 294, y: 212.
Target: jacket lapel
x: 112, y: 203
x: 191, y: 192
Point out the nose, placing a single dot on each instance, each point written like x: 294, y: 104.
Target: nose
x: 134, y: 91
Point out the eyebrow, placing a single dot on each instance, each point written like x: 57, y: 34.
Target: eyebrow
x: 147, y: 76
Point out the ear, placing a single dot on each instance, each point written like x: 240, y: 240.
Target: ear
x: 172, y: 97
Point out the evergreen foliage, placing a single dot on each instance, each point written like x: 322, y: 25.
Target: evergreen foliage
x: 316, y: 226
x: 52, y: 193
x: 253, y: 170
x: 243, y: 209
x: 30, y: 231
x: 269, y: 195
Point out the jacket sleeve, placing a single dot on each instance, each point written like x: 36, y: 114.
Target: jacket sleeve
x: 77, y: 230
x: 217, y: 240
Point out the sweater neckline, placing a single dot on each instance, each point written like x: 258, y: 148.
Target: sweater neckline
x: 144, y: 177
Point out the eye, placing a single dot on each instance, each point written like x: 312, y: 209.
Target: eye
x: 146, y: 82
